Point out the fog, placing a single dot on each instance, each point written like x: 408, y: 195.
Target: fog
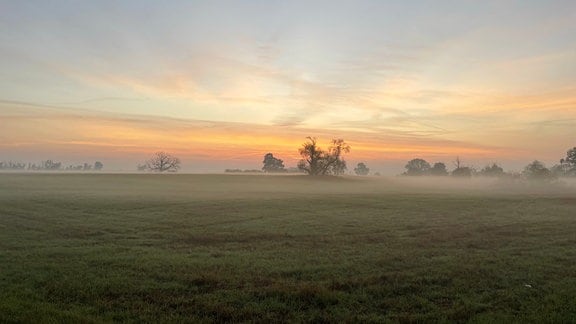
x: 184, y: 187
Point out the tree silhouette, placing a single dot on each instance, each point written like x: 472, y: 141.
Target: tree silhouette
x: 460, y: 170
x: 537, y: 171
x: 571, y: 157
x: 361, y: 169
x: 439, y: 169
x: 272, y: 164
x: 316, y: 161
x: 338, y: 168
x: 493, y: 170
x: 163, y: 162
x: 567, y: 165
x: 417, y: 167
x: 98, y: 165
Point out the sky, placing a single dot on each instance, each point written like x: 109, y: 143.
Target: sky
x: 221, y: 83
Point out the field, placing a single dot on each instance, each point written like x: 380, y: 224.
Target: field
x: 189, y: 248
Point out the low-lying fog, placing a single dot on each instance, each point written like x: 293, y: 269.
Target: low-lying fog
x: 226, y: 186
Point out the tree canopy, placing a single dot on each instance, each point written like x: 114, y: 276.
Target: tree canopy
x: 493, y: 170
x: 417, y: 167
x: 272, y: 164
x: 98, y: 165
x: 361, y: 169
x: 537, y: 171
x: 163, y: 162
x: 316, y: 161
x: 439, y: 169
x: 571, y: 157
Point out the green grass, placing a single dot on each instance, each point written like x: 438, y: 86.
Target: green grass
x: 189, y: 248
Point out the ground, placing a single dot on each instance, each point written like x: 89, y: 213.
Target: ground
x: 189, y: 248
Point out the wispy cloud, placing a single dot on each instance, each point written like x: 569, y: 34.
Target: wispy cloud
x: 405, y: 79
x: 124, y: 134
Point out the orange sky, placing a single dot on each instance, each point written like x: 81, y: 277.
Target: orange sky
x: 46, y: 132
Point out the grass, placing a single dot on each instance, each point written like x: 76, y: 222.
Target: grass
x: 229, y: 248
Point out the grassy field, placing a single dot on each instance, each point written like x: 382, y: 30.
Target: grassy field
x: 173, y: 248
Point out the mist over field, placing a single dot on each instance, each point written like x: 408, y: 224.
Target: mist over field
x: 178, y: 247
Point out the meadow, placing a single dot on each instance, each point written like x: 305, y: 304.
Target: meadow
x: 255, y: 248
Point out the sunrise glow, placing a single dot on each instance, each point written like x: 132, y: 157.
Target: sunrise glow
x: 221, y: 83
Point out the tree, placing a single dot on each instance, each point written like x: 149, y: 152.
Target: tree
x: 316, y: 161
x: 338, y: 168
x: 571, y: 157
x: 98, y: 165
x: 51, y: 165
x: 163, y: 162
x: 560, y: 170
x: 361, y: 169
x: 439, y: 169
x: 272, y: 164
x: 457, y: 162
x: 417, y: 167
x: 461, y: 171
x: 493, y: 170
x: 567, y: 165
x: 537, y: 171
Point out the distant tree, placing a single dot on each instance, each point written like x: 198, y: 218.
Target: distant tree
x: 74, y: 168
x: 461, y: 171
x: 272, y: 164
x: 537, y: 171
x: 417, y: 167
x: 163, y: 162
x: 142, y: 167
x: 439, y: 169
x: 51, y: 165
x: 457, y: 163
x: 562, y: 170
x: 316, y: 161
x: 12, y: 165
x: 98, y: 165
x: 567, y: 165
x: 571, y: 157
x: 361, y: 169
x: 493, y: 170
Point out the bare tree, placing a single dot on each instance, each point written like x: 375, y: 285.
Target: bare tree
x: 457, y: 163
x: 461, y: 171
x: 163, y: 162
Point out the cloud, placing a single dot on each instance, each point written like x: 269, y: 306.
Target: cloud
x: 130, y: 135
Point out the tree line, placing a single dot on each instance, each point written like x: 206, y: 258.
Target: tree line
x: 316, y: 161
x: 50, y: 165
x: 534, y: 170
